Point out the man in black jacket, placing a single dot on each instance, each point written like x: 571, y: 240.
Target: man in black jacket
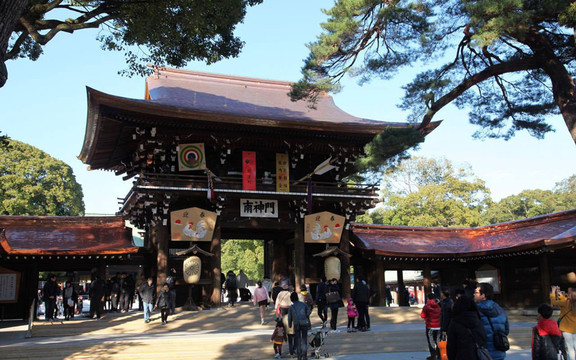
x: 147, y: 293
x: 361, y: 297
x: 446, y: 305
x: 50, y: 292
x: 96, y: 297
x: 321, y: 301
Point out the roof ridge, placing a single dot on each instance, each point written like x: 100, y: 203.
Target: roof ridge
x: 214, y: 77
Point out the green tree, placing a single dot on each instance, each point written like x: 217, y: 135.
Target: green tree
x: 247, y: 255
x: 34, y: 183
x: 172, y: 32
x: 530, y: 203
x: 510, y: 61
x: 431, y: 192
x: 566, y: 191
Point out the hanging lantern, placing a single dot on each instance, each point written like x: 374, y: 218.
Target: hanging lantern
x: 191, y: 269
x: 332, y: 268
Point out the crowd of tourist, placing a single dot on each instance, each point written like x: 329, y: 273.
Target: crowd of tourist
x: 467, y: 324
x: 117, y: 294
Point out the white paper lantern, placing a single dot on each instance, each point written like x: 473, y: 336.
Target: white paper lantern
x: 192, y: 268
x: 332, y: 268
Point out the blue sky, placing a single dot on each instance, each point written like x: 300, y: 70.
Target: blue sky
x: 44, y: 104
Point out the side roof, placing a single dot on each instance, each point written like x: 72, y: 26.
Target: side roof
x: 65, y: 235
x: 550, y: 231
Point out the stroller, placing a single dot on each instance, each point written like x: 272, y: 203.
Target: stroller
x: 316, y: 339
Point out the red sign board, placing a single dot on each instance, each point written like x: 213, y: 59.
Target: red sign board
x: 248, y: 170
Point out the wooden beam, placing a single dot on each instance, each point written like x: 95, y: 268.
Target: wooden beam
x: 545, y: 282
x: 299, y: 253
x: 345, y: 264
x: 162, y: 237
x: 216, y: 265
x: 427, y: 278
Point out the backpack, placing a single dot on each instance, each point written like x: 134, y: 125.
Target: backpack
x: 301, y: 315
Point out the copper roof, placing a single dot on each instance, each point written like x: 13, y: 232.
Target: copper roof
x: 549, y: 231
x: 246, y: 97
x: 61, y: 235
x: 186, y: 101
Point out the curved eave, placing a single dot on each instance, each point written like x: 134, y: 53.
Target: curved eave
x: 149, y: 109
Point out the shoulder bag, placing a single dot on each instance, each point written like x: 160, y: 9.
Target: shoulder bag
x: 332, y: 297
x: 500, y: 339
x: 481, y: 352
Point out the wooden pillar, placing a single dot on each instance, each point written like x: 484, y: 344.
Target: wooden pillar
x: 545, y: 283
x: 216, y: 265
x: 279, y: 262
x: 300, y: 256
x: 162, y: 237
x: 401, y: 293
x: 268, y: 253
x: 427, y: 278
x: 345, y: 264
x: 380, y: 284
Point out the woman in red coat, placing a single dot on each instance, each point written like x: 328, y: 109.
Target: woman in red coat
x: 431, y: 314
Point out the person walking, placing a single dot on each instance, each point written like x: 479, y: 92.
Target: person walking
x: 465, y: 331
x: 126, y: 290
x: 231, y: 287
x: 171, y: 281
x: 446, y: 305
x: 50, y: 292
x: 546, y: 336
x: 305, y: 297
x: 261, y: 300
x: 567, y: 317
x: 493, y: 317
x: 321, y: 290
x: 278, y: 338
x: 70, y: 297
x: 163, y: 302
x: 282, y: 302
x: 361, y: 296
x: 333, y: 287
x: 147, y: 292
x: 352, y: 312
x: 431, y: 315
x: 299, y: 317
x: 96, y: 293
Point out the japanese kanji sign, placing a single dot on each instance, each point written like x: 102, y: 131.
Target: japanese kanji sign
x: 282, y: 173
x: 323, y: 227
x: 258, y: 208
x: 193, y: 224
x: 248, y: 170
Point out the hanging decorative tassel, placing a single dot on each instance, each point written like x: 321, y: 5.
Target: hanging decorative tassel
x: 309, y: 195
x: 210, y: 192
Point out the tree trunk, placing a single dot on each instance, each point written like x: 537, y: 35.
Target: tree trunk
x: 10, y: 11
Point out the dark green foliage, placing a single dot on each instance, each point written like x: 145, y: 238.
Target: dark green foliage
x: 247, y: 255
x: 388, y: 148
x: 530, y: 203
x: 4, y: 141
x: 34, y: 183
x: 509, y: 61
x: 163, y: 32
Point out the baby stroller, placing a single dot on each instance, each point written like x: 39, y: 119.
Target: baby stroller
x: 317, y: 343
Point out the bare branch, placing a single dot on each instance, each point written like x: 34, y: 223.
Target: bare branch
x: 489, y: 72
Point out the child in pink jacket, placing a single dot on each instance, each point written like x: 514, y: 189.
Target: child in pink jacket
x: 352, y: 315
